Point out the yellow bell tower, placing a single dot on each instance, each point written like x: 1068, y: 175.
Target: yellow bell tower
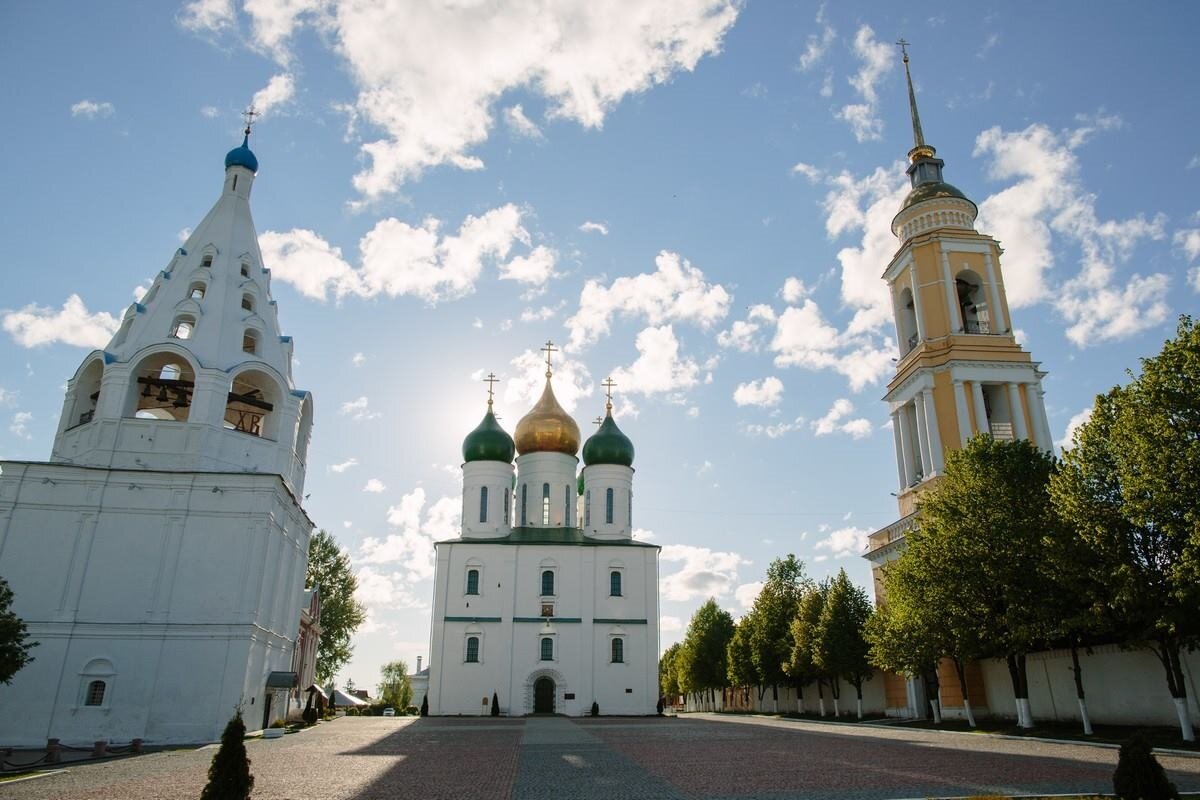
x: 960, y: 370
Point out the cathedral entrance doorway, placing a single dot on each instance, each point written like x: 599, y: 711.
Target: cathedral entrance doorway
x: 543, y: 696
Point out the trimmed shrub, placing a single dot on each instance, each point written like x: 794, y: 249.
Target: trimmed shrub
x: 229, y: 775
x: 495, y: 705
x: 595, y: 709
x: 425, y: 706
x: 279, y: 723
x: 310, y: 715
x: 1139, y: 776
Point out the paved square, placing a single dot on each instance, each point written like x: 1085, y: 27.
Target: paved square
x: 706, y: 757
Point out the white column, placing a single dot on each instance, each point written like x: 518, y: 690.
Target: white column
x: 896, y: 318
x: 916, y: 291
x: 932, y: 433
x: 953, y: 312
x: 906, y: 434
x: 998, y: 321
x: 960, y: 411
x: 981, y: 422
x: 1037, y: 410
x: 922, y: 435
x: 1018, y: 413
x: 899, y: 451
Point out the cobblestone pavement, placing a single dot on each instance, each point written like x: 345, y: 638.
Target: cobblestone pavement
x: 705, y: 757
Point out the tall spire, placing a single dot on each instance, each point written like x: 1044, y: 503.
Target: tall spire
x: 918, y: 134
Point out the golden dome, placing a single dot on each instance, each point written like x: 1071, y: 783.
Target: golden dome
x: 547, y: 428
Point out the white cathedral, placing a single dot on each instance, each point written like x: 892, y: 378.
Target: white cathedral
x: 159, y: 556
x: 546, y: 600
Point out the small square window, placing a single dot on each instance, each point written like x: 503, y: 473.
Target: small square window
x: 95, y: 694
x: 547, y: 609
x: 245, y: 270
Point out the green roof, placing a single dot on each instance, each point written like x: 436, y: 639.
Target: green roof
x: 488, y: 442
x: 608, y: 445
x: 532, y: 535
x: 931, y: 191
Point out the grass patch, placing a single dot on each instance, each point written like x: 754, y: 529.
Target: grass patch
x: 1108, y: 734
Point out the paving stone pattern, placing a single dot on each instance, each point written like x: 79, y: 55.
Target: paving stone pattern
x: 705, y: 757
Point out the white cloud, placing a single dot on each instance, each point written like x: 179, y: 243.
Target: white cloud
x: 747, y: 593
x: 765, y: 393
x: 524, y: 386
x: 773, y: 431
x: 358, y: 359
x: 1073, y: 425
x: 675, y: 292
x: 7, y: 396
x: 643, y: 535
x: 345, y: 465
x: 834, y: 421
x: 817, y: 45
x: 669, y: 624
x: 658, y: 367
x: 211, y: 112
x: 703, y: 573
x: 377, y: 589
x: 992, y: 40
x: 594, y: 227
x: 399, y: 259
x: 374, y: 486
x: 1048, y: 197
x: 803, y: 338
x: 429, y: 75
x: 183, y: 234
x: 521, y: 125
x: 90, y: 109
x: 19, y: 424
x: 359, y: 410
x: 875, y: 57
x: 278, y: 92
x: 415, y: 529
x: 742, y: 334
x: 844, y: 542
x: 1188, y: 241
x: 208, y: 16
x: 813, y: 174
x: 540, y: 314
x: 794, y: 291
x: 73, y: 324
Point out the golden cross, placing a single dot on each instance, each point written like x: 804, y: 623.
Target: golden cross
x: 249, y: 115
x: 598, y: 421
x: 549, y: 350
x: 608, y: 387
x: 491, y: 380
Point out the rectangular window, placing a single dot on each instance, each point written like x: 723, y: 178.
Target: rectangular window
x: 472, y: 650
x: 483, y: 493
x: 95, y: 694
x: 472, y: 581
x: 608, y: 506
x: 524, y: 504
x: 547, y: 649
x: 618, y: 651
x: 545, y: 504
x: 614, y: 583
x: 567, y: 507
x: 547, y: 583
x: 587, y: 508
x: 506, y: 502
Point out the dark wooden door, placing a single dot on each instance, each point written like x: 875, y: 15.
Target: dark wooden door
x: 543, y: 696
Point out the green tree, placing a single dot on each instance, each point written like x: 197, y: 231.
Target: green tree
x: 341, y: 615
x: 1130, y: 488
x: 14, y: 638
x: 229, y: 775
x: 771, y: 620
x: 801, y: 665
x: 740, y: 672
x: 983, y: 529
x: 668, y: 676
x: 702, y: 662
x: 902, y: 641
x: 395, y: 686
x: 841, y: 649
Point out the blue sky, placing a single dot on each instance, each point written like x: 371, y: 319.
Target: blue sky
x: 691, y: 196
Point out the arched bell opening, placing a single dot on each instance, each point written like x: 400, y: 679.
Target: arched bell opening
x: 253, y: 404
x: 162, y: 388
x: 972, y: 301
x: 86, y: 393
x: 906, y: 321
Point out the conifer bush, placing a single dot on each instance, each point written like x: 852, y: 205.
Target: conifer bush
x: 229, y: 775
x: 595, y: 709
x: 1139, y: 776
x: 495, y: 705
x: 425, y: 706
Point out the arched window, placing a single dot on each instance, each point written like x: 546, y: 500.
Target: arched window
x: 906, y: 321
x: 608, y: 506
x: 196, y: 291
x: 614, y: 583
x: 162, y: 388
x: 567, y: 507
x: 182, y: 327
x: 524, y: 504
x: 547, y: 583
x: 472, y: 581
x: 618, y: 650
x: 248, y: 302
x: 972, y: 302
x: 587, y: 508
x: 545, y: 504
x: 250, y: 405
x: 245, y: 270
x: 86, y: 393
x: 629, y: 498
x: 547, y: 648
x: 250, y: 341
x: 95, y: 694
x: 483, y: 504
x: 472, y: 650
x: 506, y: 502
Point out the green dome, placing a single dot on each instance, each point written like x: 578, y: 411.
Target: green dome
x: 488, y: 442
x: 608, y: 446
x: 932, y: 191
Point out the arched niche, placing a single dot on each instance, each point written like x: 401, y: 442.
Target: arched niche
x: 906, y: 320
x: 161, y: 387
x: 253, y: 405
x: 85, y: 393
x: 972, y: 300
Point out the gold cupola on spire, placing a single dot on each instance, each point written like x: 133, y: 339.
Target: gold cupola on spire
x: 547, y: 428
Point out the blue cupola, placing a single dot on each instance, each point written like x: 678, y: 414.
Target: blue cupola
x: 242, y: 156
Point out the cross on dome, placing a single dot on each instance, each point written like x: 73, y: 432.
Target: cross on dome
x: 608, y: 385
x: 491, y: 380
x: 549, y: 350
x: 250, y: 115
